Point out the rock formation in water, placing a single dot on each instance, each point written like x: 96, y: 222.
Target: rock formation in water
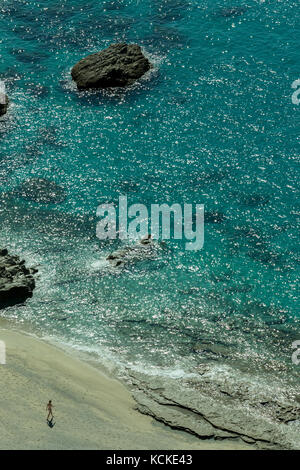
x: 119, y: 65
x: 16, y: 280
x: 145, y: 249
x: 4, y: 102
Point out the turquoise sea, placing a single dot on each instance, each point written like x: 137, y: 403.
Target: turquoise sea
x: 213, y: 123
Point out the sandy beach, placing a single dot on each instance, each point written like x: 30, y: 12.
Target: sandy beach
x: 91, y: 410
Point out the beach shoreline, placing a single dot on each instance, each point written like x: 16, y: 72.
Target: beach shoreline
x: 91, y: 409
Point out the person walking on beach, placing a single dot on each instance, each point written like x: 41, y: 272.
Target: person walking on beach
x: 49, y: 409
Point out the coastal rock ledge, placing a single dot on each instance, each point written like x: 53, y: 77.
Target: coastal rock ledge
x: 210, y: 409
x: 16, y: 280
x: 119, y: 65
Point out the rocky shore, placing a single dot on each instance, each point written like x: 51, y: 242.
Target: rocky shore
x: 16, y: 280
x: 228, y: 410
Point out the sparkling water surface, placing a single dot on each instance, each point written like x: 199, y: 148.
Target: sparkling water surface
x: 212, y: 123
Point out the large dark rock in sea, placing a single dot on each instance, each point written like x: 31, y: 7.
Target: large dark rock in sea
x: 16, y: 281
x: 119, y: 65
x: 4, y: 101
x: 42, y: 191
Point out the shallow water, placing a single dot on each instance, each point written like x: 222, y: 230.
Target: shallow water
x: 213, y: 123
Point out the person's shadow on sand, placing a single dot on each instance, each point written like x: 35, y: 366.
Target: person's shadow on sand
x: 50, y: 423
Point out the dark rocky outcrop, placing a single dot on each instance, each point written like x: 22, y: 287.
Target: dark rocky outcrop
x: 4, y: 102
x: 119, y: 65
x: 16, y: 280
x: 42, y: 191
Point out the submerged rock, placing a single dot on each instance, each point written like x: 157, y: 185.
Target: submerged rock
x: 267, y: 257
x: 119, y: 65
x: 28, y: 57
x: 214, y: 217
x: 4, y: 102
x: 16, y: 281
x: 164, y: 38
x: 239, y: 289
x: 37, y: 90
x: 233, y: 11
x: 41, y: 190
x: 254, y: 200
x: 210, y: 349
